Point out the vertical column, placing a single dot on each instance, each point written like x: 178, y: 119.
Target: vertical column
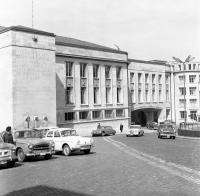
x: 90, y: 85
x: 102, y: 84
x: 77, y: 88
x: 113, y: 85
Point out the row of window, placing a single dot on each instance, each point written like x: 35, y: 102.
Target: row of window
x: 192, y: 90
x: 192, y: 78
x: 147, y: 76
x: 83, y: 70
x: 190, y: 66
x: 192, y: 115
x: 97, y: 114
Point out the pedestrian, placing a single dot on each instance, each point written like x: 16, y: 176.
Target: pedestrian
x: 98, y: 126
x: 121, y: 127
x: 7, y: 136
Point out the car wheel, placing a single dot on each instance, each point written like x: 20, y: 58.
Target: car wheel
x: 87, y: 151
x: 174, y: 137
x: 102, y: 134
x: 20, y: 155
x: 11, y: 164
x: 66, y: 150
x: 47, y: 156
x: 158, y: 137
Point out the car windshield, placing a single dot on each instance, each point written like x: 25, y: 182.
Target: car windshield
x: 26, y: 134
x: 167, y: 127
x: 40, y: 133
x: 66, y: 133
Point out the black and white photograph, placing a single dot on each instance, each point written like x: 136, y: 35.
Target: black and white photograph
x: 99, y: 98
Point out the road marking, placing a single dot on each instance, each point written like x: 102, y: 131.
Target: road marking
x: 186, y: 173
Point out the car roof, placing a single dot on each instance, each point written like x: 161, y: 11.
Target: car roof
x: 61, y: 129
x: 41, y: 128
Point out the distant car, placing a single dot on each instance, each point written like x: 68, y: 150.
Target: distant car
x: 7, y: 154
x: 152, y: 125
x: 104, y: 130
x: 67, y: 141
x: 166, y: 131
x: 30, y: 144
x: 135, y: 130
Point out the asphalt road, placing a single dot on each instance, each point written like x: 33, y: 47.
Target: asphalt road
x: 117, y: 166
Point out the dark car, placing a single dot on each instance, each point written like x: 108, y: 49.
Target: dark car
x: 166, y: 131
x: 152, y: 125
x: 103, y: 130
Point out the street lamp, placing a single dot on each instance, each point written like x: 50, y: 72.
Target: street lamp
x: 187, y: 60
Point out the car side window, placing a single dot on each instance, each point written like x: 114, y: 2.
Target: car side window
x: 56, y: 134
x: 50, y: 134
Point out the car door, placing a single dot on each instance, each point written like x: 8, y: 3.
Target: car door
x: 57, y: 140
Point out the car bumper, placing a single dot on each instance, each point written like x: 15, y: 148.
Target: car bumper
x: 5, y: 160
x: 167, y: 135
x: 83, y: 147
x: 40, y: 153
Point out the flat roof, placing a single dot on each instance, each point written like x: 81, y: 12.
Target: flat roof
x: 155, y: 62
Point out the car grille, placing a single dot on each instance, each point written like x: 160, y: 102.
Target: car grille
x: 41, y: 146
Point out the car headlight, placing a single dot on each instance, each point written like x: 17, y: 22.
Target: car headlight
x: 30, y: 146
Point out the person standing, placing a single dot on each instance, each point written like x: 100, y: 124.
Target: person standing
x: 7, y: 136
x: 121, y: 127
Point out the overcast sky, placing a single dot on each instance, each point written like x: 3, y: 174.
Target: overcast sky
x: 146, y: 29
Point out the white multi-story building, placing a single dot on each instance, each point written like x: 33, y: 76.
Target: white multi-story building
x: 186, y: 92
x: 150, y: 91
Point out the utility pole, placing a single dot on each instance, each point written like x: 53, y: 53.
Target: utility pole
x: 187, y: 60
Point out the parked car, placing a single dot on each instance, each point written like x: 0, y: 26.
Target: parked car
x: 152, y: 125
x: 29, y: 144
x: 67, y: 141
x: 104, y: 130
x: 7, y: 154
x: 135, y: 130
x: 166, y: 131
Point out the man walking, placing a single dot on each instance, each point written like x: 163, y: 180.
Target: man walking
x: 121, y: 127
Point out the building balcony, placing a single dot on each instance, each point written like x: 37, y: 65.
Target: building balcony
x: 108, y: 83
x: 69, y: 81
x: 83, y: 82
x: 96, y: 82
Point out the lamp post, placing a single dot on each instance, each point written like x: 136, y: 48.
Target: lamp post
x: 187, y: 60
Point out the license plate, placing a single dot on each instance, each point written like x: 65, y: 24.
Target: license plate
x: 41, y: 152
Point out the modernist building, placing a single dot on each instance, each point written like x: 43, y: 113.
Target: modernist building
x: 150, y: 91
x: 52, y: 80
x: 186, y: 92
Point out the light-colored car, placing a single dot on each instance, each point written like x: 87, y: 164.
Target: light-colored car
x: 103, y: 130
x: 135, y: 130
x: 29, y: 144
x: 67, y: 141
x: 7, y: 154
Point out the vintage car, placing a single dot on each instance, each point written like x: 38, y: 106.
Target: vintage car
x: 67, y: 141
x: 135, y: 130
x: 166, y: 131
x: 103, y: 130
x: 152, y: 125
x: 29, y: 144
x: 7, y: 154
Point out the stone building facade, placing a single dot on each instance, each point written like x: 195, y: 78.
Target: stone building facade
x: 53, y: 80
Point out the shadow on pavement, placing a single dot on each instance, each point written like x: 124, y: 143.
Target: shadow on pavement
x: 42, y: 190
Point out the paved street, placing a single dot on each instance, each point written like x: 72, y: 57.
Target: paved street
x: 117, y: 166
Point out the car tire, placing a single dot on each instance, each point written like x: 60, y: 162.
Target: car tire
x: 47, y: 156
x: 102, y: 134
x: 66, y: 150
x: 87, y: 151
x: 11, y: 164
x: 174, y: 137
x: 158, y: 137
x: 20, y: 155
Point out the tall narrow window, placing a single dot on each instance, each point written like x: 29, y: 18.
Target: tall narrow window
x: 108, y: 95
x: 153, y: 78
x: 83, y: 95
x: 132, y: 77
x: 118, y: 73
x: 69, y: 95
x: 107, y: 71
x: 83, y: 70
x: 119, y: 95
x: 69, y: 66
x: 96, y: 95
x: 139, y: 96
x: 95, y: 71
